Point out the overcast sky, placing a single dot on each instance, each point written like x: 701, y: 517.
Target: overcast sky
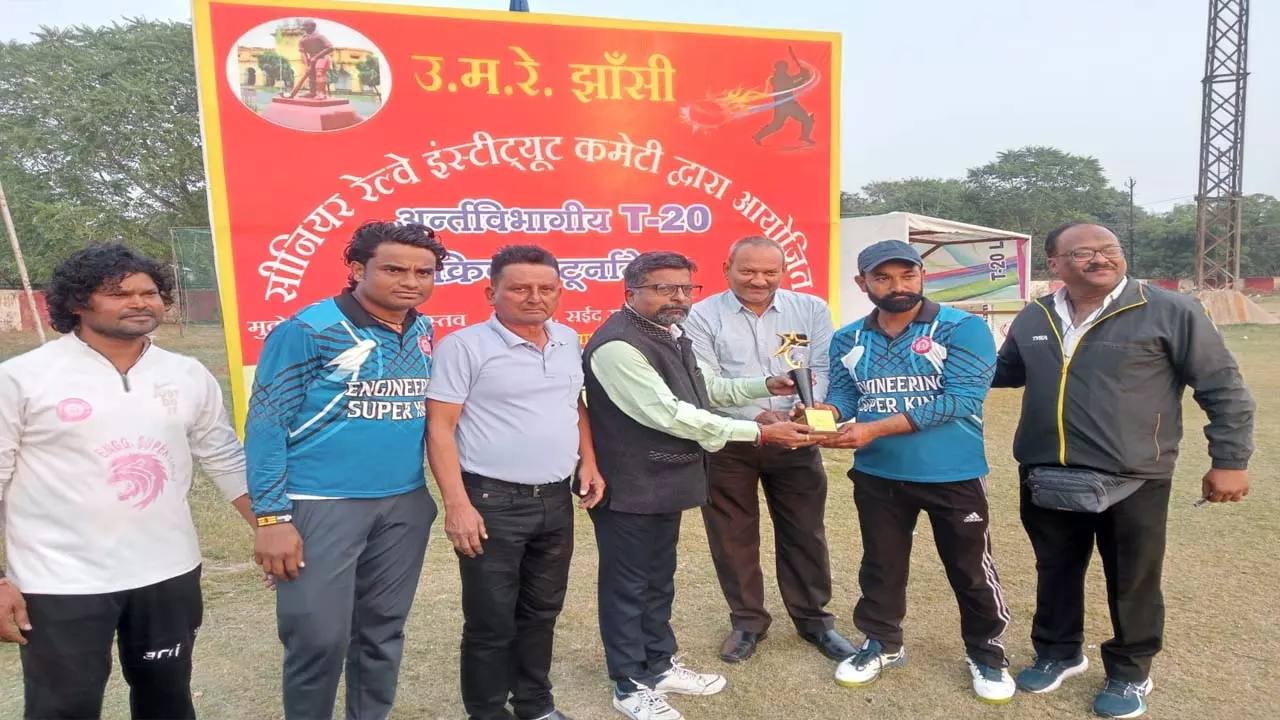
x: 933, y: 87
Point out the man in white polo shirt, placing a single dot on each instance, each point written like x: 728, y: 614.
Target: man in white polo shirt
x: 506, y: 431
x: 97, y: 434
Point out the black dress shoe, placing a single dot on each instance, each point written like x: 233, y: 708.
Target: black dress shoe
x: 740, y: 645
x: 555, y: 715
x: 832, y: 644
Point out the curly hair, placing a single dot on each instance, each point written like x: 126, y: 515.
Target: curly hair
x: 98, y: 267
x: 366, y: 239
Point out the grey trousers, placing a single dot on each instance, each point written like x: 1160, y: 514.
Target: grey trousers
x: 363, y: 559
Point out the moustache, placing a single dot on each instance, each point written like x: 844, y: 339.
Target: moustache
x: 1095, y: 267
x: 146, y: 314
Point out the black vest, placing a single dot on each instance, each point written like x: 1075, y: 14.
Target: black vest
x: 647, y: 472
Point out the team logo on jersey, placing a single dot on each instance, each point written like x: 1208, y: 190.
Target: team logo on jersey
x: 922, y: 345
x: 137, y: 469
x: 348, y: 362
x: 74, y: 410
x: 424, y: 344
x: 168, y: 397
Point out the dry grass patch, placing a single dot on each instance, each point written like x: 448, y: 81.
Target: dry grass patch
x: 1220, y: 585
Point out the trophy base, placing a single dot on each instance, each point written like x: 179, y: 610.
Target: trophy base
x: 822, y: 420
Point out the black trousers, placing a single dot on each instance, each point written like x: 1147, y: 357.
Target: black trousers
x: 67, y: 659
x: 636, y: 586
x: 958, y: 512
x: 1131, y: 542
x: 795, y: 490
x: 512, y: 595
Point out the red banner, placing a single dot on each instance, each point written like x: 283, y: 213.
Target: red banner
x: 597, y: 139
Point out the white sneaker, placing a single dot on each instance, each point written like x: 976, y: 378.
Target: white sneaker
x: 645, y: 704
x: 864, y: 667
x: 683, y: 681
x: 994, y: 685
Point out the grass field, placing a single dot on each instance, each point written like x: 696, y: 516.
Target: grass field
x: 1221, y: 589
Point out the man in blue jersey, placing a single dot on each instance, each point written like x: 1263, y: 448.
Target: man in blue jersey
x: 912, y: 376
x: 335, y: 453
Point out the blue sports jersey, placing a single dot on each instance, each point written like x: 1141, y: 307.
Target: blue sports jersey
x: 338, y: 407
x: 937, y: 373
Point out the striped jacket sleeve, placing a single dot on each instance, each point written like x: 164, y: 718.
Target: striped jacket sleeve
x: 842, y: 391
x: 285, y: 368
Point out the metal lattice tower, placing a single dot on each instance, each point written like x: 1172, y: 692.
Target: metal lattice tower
x: 1222, y: 145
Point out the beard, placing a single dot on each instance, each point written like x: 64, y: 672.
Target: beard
x: 671, y: 315
x: 896, y: 302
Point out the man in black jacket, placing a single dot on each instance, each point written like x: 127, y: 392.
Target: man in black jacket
x: 1105, y: 361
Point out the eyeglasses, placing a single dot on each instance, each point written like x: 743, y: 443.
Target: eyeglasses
x: 667, y: 290
x: 1113, y: 252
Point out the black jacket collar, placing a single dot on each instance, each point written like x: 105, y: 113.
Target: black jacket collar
x: 1132, y: 294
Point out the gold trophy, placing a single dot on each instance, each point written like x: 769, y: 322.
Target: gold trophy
x: 795, y: 351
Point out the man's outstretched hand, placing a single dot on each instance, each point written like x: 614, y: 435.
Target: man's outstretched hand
x: 787, y: 434
x: 851, y: 436
x: 780, y: 385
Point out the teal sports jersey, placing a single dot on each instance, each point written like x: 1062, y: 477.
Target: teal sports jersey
x: 338, y: 407
x: 937, y: 373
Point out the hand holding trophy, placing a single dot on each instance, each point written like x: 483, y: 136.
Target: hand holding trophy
x: 795, y: 351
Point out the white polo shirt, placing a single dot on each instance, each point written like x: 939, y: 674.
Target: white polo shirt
x: 519, y: 419
x: 95, y: 466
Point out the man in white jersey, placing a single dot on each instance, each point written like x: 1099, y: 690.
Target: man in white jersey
x: 97, y: 434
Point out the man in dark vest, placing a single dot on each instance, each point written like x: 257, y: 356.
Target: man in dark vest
x: 647, y: 402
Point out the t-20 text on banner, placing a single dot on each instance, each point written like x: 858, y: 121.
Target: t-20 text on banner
x: 598, y: 139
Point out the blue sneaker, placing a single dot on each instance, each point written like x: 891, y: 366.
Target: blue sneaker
x: 1120, y: 699
x: 1046, y: 675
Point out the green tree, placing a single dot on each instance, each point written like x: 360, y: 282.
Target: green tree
x: 272, y: 66
x: 948, y: 199
x: 1165, y: 244
x: 369, y: 73
x: 1260, y: 235
x: 100, y: 137
x: 1035, y: 189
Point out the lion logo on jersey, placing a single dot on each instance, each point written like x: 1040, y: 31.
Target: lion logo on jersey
x: 140, y: 477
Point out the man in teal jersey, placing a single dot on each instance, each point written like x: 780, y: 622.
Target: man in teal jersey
x: 335, y: 452
x: 913, y: 375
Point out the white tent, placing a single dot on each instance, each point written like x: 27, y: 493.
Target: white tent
x: 982, y: 270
